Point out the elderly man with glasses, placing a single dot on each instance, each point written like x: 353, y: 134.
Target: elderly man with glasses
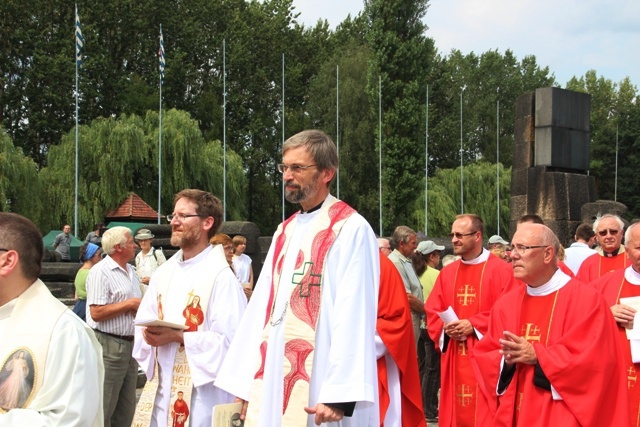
x: 550, y: 355
x: 470, y: 286
x: 611, y: 255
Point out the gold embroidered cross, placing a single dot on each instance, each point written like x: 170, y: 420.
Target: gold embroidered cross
x: 632, y: 378
x: 466, y: 295
x: 464, y: 395
x: 531, y: 332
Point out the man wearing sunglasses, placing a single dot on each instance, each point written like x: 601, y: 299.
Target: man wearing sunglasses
x: 470, y: 286
x: 550, y: 356
x: 611, y: 255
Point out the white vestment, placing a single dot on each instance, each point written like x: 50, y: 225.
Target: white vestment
x: 344, y: 366
x: 242, y: 267
x: 205, y: 348
x: 73, y: 375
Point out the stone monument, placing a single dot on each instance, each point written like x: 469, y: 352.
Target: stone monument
x: 549, y: 176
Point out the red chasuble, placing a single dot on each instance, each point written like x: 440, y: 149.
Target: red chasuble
x: 471, y: 290
x: 578, y: 352
x: 395, y: 330
x: 613, y: 287
x: 597, y: 266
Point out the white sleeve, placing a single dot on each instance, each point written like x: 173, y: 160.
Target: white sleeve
x: 70, y: 393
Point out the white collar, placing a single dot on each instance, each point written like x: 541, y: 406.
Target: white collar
x: 557, y: 281
x: 480, y: 259
x: 632, y: 276
x: 7, y: 309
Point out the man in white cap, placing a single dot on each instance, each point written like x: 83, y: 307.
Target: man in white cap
x: 497, y: 246
x: 428, y: 356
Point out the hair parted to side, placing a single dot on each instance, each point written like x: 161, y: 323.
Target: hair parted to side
x: 21, y: 235
x: 320, y: 146
x: 207, y: 205
x: 401, y: 234
x: 239, y: 240
x: 584, y: 232
x: 599, y: 218
x: 114, y: 236
x: 476, y: 222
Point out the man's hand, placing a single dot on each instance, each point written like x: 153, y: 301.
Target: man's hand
x: 134, y: 303
x: 157, y: 336
x: 245, y: 404
x: 415, y: 304
x: 516, y: 349
x: 458, y: 330
x: 145, y: 280
x: 624, y: 315
x: 325, y: 414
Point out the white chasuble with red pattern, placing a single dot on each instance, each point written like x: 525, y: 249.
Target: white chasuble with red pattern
x: 299, y: 315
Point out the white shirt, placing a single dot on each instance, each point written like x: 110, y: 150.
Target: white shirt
x: 576, y: 254
x: 242, y: 267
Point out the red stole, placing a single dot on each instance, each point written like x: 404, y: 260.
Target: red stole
x: 632, y: 370
x: 535, y: 322
x: 466, y: 303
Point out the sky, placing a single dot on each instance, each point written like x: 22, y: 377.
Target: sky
x: 571, y: 37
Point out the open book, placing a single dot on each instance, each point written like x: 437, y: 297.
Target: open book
x: 158, y: 322
x: 227, y: 415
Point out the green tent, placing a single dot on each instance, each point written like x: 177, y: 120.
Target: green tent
x: 76, y: 244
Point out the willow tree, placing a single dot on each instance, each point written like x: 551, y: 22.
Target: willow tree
x: 480, y: 198
x: 119, y: 155
x: 18, y: 180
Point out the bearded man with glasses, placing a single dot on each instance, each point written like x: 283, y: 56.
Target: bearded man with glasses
x: 550, y: 356
x: 611, y: 255
x: 470, y: 286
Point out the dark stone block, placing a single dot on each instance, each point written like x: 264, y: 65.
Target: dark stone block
x: 562, y: 108
x: 525, y: 104
x: 524, y: 130
x: 245, y: 228
x: 523, y: 155
x: 519, y: 182
x: 562, y: 148
x: 564, y: 230
x: 589, y: 211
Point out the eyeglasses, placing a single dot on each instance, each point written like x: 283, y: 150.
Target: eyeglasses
x: 228, y: 248
x: 610, y: 231
x: 460, y: 235
x: 521, y: 249
x: 295, y: 169
x: 180, y: 217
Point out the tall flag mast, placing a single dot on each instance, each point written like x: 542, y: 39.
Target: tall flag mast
x: 161, y: 66
x: 79, y: 47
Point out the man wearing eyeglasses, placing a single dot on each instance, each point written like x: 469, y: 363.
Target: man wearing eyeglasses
x: 550, y: 355
x: 619, y: 290
x: 51, y: 370
x: 195, y: 287
x: 306, y: 343
x: 611, y: 255
x: 470, y: 286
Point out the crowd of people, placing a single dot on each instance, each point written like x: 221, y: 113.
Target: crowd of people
x: 341, y: 328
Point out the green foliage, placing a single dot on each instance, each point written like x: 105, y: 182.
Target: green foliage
x: 117, y: 156
x: 19, y: 181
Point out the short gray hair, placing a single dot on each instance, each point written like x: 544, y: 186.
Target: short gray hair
x: 401, y: 234
x: 114, y: 236
x: 599, y: 218
x: 627, y: 234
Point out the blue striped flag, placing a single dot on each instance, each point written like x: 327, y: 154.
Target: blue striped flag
x: 79, y: 40
x: 161, y: 63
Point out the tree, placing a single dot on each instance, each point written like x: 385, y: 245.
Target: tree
x: 18, y: 180
x: 121, y: 155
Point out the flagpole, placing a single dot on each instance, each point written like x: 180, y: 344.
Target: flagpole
x: 224, y: 130
x: 498, y: 159
x: 338, y: 127
x: 426, y: 170
x: 380, y: 150
x: 79, y: 46
x: 161, y: 69
x: 282, y: 133
x: 461, y: 153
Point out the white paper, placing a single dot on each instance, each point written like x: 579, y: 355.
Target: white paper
x: 633, y: 302
x: 448, y: 316
x: 164, y: 323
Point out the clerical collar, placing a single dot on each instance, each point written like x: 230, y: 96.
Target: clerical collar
x: 557, y: 281
x: 480, y: 259
x: 313, y: 209
x: 610, y: 254
x: 632, y: 276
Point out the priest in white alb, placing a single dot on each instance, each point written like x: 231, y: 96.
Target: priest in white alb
x: 304, y: 352
x: 195, y: 288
